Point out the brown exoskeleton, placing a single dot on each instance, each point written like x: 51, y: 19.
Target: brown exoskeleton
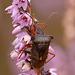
x: 39, y: 50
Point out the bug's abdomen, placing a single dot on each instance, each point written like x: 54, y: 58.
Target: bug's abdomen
x: 38, y: 55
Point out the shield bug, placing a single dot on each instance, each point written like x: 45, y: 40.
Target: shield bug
x: 39, y: 50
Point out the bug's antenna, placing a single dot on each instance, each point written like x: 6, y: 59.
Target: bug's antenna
x: 54, y: 13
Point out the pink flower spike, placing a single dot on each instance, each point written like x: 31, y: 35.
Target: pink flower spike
x: 16, y: 30
x: 25, y: 25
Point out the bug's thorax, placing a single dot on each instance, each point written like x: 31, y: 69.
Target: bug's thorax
x: 41, y: 42
x: 40, y: 37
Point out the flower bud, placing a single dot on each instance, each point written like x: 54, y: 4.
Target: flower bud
x: 26, y: 67
x: 16, y: 30
x: 27, y: 38
x: 20, y: 63
x: 52, y: 71
x: 14, y: 54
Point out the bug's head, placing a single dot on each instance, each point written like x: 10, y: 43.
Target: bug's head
x: 40, y: 31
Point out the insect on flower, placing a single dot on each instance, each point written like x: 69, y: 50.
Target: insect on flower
x: 39, y: 50
x: 39, y: 47
x: 31, y: 44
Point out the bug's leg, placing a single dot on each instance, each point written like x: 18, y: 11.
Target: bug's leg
x: 28, y: 46
x: 21, y: 54
x: 39, y: 24
x: 51, y: 57
x: 17, y: 52
x: 23, y: 51
x: 32, y: 30
x: 44, y: 27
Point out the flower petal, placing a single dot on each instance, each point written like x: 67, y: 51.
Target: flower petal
x: 17, y: 46
x: 51, y: 49
x: 15, y: 42
x: 52, y: 71
x: 26, y: 67
x: 14, y: 54
x: 16, y: 30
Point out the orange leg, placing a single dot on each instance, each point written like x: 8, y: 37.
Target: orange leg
x: 33, y: 31
x: 20, y: 54
x: 27, y: 46
x: 51, y: 57
x: 39, y: 24
x: 17, y: 52
x: 44, y: 27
